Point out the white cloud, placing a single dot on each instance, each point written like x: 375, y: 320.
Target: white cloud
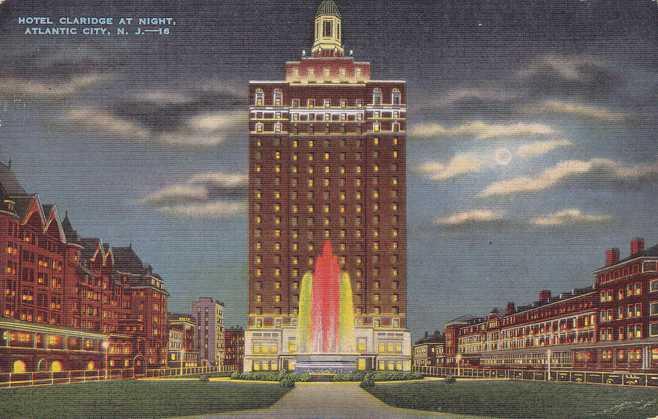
x: 577, y: 109
x: 95, y: 119
x: 540, y: 148
x: 176, y: 193
x: 460, y: 164
x: 206, y: 210
x: 479, y: 216
x: 221, y: 179
x: 490, y: 94
x: 214, y: 121
x: 163, y: 97
x: 204, y: 195
x: 13, y: 87
x: 205, y: 130
x: 569, y: 216
x: 481, y: 130
x: 568, y: 67
x: 603, y: 169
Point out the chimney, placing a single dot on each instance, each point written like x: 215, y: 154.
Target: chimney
x: 544, y: 296
x: 637, y: 246
x: 511, y: 308
x: 611, y: 256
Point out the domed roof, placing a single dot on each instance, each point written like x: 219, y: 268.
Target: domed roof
x: 328, y: 8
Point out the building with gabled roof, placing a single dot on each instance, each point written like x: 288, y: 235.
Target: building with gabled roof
x: 66, y: 302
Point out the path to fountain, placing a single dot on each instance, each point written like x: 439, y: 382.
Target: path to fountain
x: 330, y: 400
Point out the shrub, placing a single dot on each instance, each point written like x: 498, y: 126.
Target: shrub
x: 367, y: 382
x: 450, y: 380
x: 235, y: 376
x: 204, y: 378
x: 396, y: 376
x: 302, y: 378
x: 353, y: 376
x: 287, y: 382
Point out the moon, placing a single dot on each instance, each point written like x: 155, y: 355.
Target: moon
x: 503, y: 156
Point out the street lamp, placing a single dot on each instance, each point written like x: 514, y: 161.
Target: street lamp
x: 459, y: 360
x: 182, y: 359
x: 106, y: 347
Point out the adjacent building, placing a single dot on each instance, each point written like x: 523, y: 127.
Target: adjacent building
x: 72, y: 303
x: 611, y: 325
x: 209, y: 315
x: 430, y: 350
x: 327, y: 163
x: 234, y: 348
x: 183, y: 352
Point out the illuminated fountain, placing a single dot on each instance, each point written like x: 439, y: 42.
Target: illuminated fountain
x: 325, y: 325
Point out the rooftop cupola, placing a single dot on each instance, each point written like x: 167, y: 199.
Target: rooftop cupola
x: 328, y: 31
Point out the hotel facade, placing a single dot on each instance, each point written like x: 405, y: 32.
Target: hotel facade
x: 72, y: 303
x: 327, y: 164
x: 610, y: 326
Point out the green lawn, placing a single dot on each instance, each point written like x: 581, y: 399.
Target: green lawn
x: 509, y: 399
x: 136, y: 399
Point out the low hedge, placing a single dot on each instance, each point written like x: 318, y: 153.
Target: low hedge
x: 379, y: 376
x: 355, y: 376
x: 270, y: 376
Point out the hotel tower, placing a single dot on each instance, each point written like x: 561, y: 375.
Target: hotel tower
x: 327, y: 165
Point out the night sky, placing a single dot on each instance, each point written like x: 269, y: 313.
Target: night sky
x: 532, y: 144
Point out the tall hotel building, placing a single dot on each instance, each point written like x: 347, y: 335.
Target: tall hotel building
x: 327, y: 163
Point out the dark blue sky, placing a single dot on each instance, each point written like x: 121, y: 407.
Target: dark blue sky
x: 532, y: 148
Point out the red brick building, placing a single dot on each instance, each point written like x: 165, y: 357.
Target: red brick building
x: 233, y: 348
x: 611, y: 326
x: 327, y: 163
x: 71, y: 303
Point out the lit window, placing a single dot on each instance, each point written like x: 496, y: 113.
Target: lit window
x: 260, y: 97
x: 396, y: 98
x: 377, y: 96
x: 277, y: 97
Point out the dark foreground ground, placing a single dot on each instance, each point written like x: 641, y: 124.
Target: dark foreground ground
x: 136, y: 399
x: 514, y: 399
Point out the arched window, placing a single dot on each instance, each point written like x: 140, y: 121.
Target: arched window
x: 375, y: 126
x: 260, y: 97
x: 277, y: 127
x: 56, y: 366
x: 396, y: 127
x: 396, y: 97
x: 377, y: 96
x: 18, y: 367
x: 259, y: 127
x: 91, y: 365
x: 278, y: 97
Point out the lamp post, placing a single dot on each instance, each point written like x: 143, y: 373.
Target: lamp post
x: 182, y: 359
x: 459, y: 361
x: 106, y: 347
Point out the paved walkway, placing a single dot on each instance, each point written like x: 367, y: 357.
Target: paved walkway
x: 330, y: 400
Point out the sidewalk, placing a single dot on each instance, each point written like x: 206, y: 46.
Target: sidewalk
x: 330, y: 400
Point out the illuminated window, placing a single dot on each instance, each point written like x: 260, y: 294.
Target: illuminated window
x: 396, y: 97
x: 277, y: 97
x: 377, y: 96
x: 260, y: 97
